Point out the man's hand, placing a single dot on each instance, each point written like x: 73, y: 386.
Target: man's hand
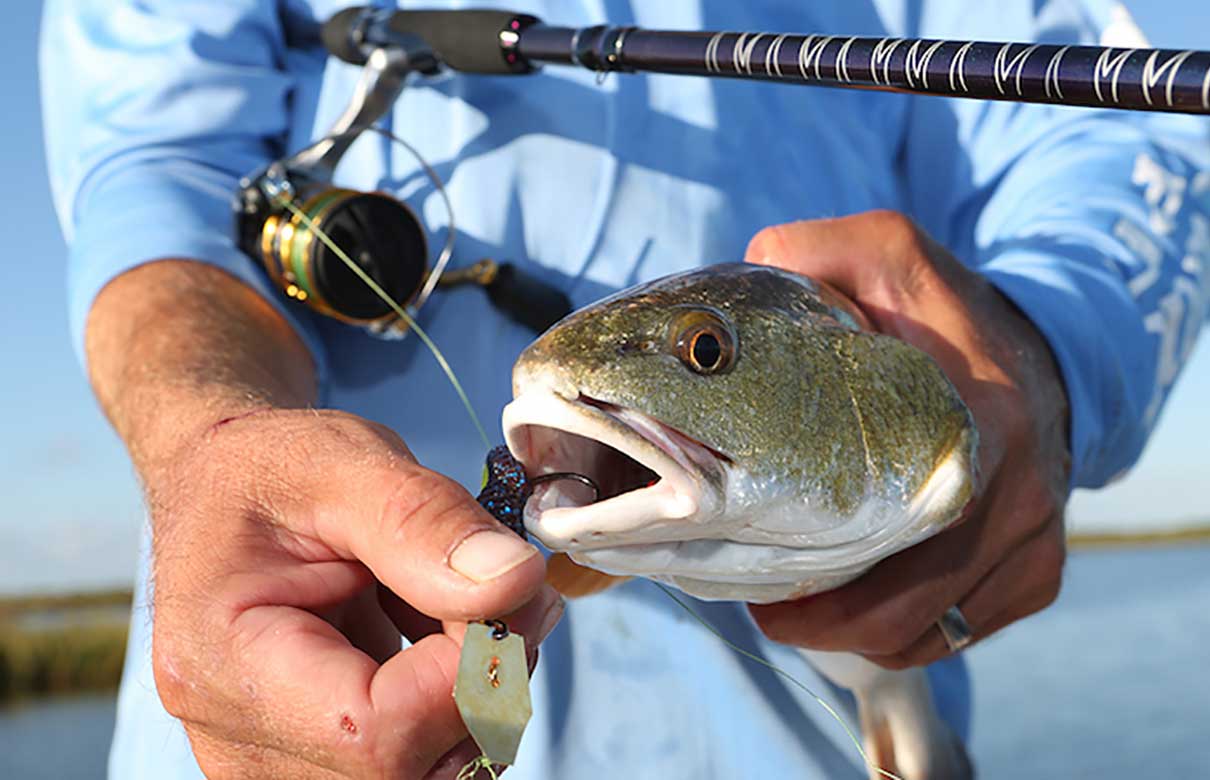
x: 1004, y: 560
x: 292, y: 547
x: 291, y: 550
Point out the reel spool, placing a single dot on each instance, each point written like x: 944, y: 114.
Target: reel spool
x: 379, y: 233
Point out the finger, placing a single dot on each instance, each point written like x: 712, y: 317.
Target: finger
x: 413, y: 624
x: 340, y: 592
x: 904, y: 284
x: 316, y: 695
x: 450, y: 765
x: 533, y: 622
x: 426, y: 539
x: 885, y: 609
x: 366, y: 625
x: 859, y: 255
x: 1027, y: 581
x: 890, y: 606
x: 299, y: 685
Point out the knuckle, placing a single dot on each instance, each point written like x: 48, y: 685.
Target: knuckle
x: 1050, y: 594
x: 775, y: 625
x: 891, y: 222
x: 171, y: 680
x: 1013, y: 415
x: 421, y: 500
x: 891, y: 635
x: 373, y: 440
x: 896, y: 228
x: 895, y: 662
x: 1050, y: 556
x: 1049, y: 559
x: 1044, y: 510
x: 1048, y: 508
x: 766, y: 243
x: 909, y: 258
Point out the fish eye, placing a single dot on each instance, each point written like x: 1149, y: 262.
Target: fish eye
x: 706, y: 350
x: 705, y: 342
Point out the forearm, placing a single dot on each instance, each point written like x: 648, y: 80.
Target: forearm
x: 175, y: 346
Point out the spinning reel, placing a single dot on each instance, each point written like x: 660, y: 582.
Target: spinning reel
x: 297, y: 224
x: 290, y: 218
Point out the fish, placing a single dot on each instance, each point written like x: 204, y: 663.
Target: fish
x: 751, y: 438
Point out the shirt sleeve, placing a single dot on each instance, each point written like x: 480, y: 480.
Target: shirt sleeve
x: 153, y: 110
x: 1096, y: 224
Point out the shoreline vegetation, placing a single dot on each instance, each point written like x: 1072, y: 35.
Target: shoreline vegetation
x: 76, y: 642
x: 55, y: 644
x: 1193, y: 533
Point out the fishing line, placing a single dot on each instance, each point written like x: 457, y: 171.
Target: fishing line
x: 482, y: 762
x: 399, y: 310
x: 774, y: 667
x: 471, y: 770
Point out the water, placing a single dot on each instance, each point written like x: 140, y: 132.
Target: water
x: 1113, y: 683
x: 56, y: 739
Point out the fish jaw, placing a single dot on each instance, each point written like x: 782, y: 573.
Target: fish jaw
x: 550, y: 432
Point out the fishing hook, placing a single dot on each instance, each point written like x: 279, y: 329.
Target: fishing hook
x: 581, y: 478
x: 499, y: 628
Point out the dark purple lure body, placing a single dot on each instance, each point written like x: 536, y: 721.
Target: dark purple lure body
x: 506, y: 490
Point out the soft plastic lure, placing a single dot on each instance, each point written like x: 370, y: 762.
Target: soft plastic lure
x: 506, y: 488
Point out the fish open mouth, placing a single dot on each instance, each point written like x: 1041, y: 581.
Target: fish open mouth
x: 651, y: 477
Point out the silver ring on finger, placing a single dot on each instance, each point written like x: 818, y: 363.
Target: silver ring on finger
x: 955, y: 629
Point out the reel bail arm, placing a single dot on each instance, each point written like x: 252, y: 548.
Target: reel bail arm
x: 279, y: 207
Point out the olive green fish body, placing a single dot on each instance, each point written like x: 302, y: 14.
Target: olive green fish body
x: 792, y: 448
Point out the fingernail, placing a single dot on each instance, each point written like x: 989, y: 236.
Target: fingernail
x: 487, y: 555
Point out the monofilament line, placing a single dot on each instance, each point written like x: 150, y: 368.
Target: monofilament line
x: 395, y: 306
x: 471, y: 770
x: 773, y: 667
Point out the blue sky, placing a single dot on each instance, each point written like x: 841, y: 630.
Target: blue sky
x: 72, y: 510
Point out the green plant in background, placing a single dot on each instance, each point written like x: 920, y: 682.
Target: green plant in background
x: 62, y: 644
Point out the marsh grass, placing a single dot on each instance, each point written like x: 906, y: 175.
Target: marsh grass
x: 1183, y: 535
x: 62, y: 644
x: 73, y: 643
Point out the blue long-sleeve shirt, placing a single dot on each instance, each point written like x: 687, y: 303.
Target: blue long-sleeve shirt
x: 1096, y: 224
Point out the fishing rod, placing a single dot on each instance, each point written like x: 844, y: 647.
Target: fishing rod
x: 390, y: 45
x: 502, y: 42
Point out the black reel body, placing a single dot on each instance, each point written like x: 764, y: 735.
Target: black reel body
x: 381, y: 235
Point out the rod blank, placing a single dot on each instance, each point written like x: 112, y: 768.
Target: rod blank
x: 502, y: 42
x: 1139, y: 79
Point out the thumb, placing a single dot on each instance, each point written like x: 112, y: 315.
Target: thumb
x: 864, y: 256
x: 428, y: 540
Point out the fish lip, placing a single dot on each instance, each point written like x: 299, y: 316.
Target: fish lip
x: 682, y: 496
